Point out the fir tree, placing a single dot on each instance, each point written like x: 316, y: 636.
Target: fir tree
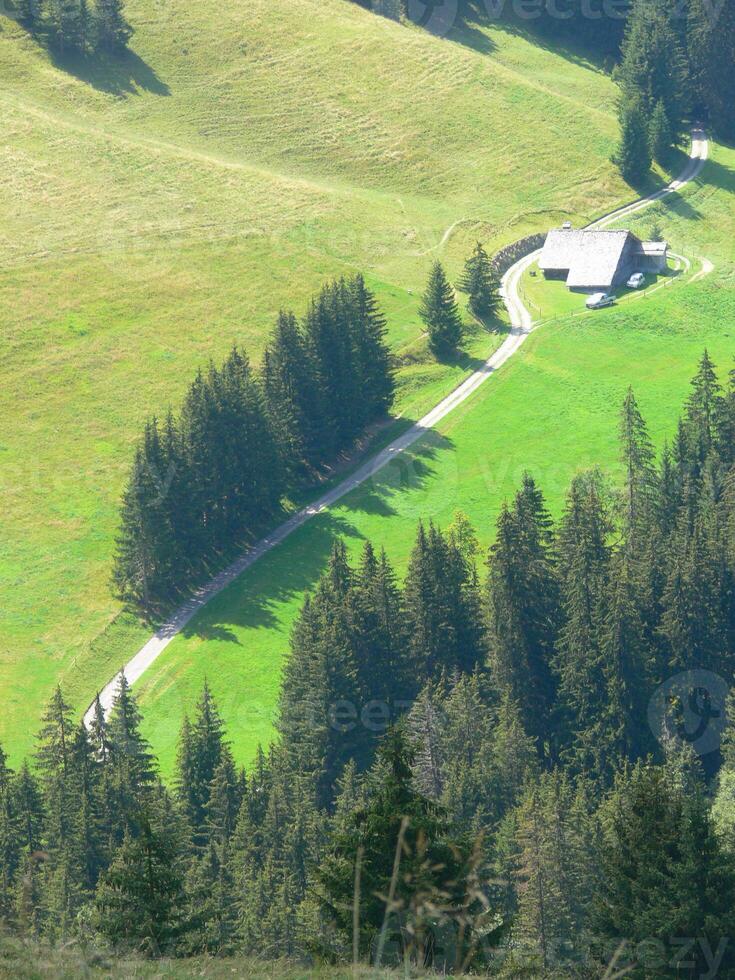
x: 653, y: 66
x: 202, y: 747
x: 440, y: 313
x: 633, y: 155
x: 131, y: 765
x: 664, y: 876
x: 638, y: 459
x: 482, y: 283
x: 294, y: 399
x: 373, y: 356
x: 140, y: 899
x: 552, y: 876
x: 711, y: 41
x: 660, y: 134
x: 523, y: 609
x: 584, y: 563
x: 442, y: 607
x: 395, y: 827
x: 113, y: 30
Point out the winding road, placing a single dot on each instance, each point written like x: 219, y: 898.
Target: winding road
x: 521, y: 326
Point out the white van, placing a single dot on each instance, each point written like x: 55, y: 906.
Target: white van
x: 597, y: 300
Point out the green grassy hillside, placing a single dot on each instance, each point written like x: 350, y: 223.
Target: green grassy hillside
x: 553, y: 409
x: 160, y: 207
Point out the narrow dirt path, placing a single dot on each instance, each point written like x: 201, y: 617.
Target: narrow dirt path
x: 521, y: 327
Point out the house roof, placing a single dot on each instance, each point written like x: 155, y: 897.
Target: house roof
x: 654, y: 248
x: 592, y: 257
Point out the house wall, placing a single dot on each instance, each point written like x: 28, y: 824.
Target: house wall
x: 653, y: 263
x: 629, y: 263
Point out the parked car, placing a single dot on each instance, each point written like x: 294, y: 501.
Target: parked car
x: 636, y: 280
x: 597, y: 300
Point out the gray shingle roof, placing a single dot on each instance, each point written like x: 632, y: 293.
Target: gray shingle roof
x: 592, y: 257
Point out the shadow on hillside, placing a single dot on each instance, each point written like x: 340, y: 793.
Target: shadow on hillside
x: 119, y: 75
x: 408, y: 473
x: 467, y: 33
x: 719, y: 175
x: 291, y: 572
x: 499, y: 15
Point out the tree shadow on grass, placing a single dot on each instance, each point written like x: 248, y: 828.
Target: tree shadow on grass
x: 120, y: 75
x: 569, y: 45
x: 719, y: 175
x: 409, y: 472
x: 251, y: 601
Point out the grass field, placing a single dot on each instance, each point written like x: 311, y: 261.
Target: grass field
x: 552, y: 409
x: 31, y: 961
x: 156, y: 209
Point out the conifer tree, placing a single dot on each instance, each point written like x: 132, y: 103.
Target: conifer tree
x: 523, y: 609
x: 552, y: 874
x: 210, y: 896
x: 704, y: 409
x: 442, y: 607
x: 29, y: 805
x: 113, y: 30
x: 10, y: 841
x: 440, y: 313
x: 376, y: 609
x: 584, y: 564
x: 427, y: 869
x: 711, y: 41
x: 664, y: 876
x: 633, y: 155
x: 294, y: 399
x: 638, y: 459
x: 202, y: 747
x: 482, y: 283
x: 132, y: 773
x: 139, y: 903
x: 653, y: 66
x: 373, y: 356
x: 320, y: 697
x: 329, y: 331
x: 660, y: 134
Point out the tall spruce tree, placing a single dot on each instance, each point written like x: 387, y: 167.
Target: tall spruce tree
x: 653, y: 66
x: 482, y: 283
x: 711, y: 41
x: 113, y: 30
x: 140, y: 901
x: 664, y: 876
x: 584, y: 565
x: 633, y: 154
x: 442, y: 607
x: 408, y: 871
x: 523, y: 609
x: 660, y: 134
x: 131, y: 765
x: 440, y: 313
x: 294, y: 399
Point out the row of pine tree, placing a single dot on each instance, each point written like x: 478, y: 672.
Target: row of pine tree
x: 676, y: 65
x: 466, y: 773
x: 213, y: 476
x: 77, y: 26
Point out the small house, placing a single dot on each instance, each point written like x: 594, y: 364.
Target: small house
x: 592, y: 260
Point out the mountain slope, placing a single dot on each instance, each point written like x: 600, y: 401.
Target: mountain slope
x: 161, y: 207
